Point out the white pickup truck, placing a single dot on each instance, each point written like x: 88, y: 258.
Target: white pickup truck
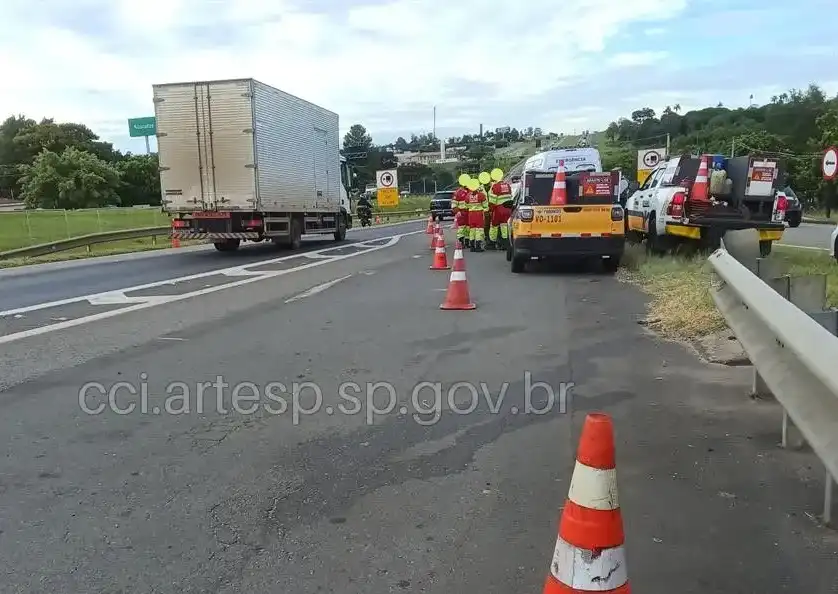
x: 664, y: 212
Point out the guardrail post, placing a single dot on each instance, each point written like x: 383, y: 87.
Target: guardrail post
x: 772, y: 274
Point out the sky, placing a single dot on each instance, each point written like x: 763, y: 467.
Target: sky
x: 386, y: 63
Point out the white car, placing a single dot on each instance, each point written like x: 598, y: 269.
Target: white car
x: 833, y: 240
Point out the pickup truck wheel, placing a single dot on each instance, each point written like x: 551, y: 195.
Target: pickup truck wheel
x: 228, y: 245
x: 654, y: 243
x: 517, y: 263
x: 340, y: 233
x: 610, y: 265
x: 795, y: 218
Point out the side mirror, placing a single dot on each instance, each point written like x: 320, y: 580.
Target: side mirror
x: 633, y: 187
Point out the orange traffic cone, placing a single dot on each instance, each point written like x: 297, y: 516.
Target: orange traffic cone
x: 437, y: 231
x: 457, y: 296
x: 559, y: 195
x: 175, y: 237
x: 440, y: 259
x: 701, y: 186
x: 430, y: 228
x: 589, y: 555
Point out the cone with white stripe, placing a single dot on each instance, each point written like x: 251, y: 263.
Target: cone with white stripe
x: 701, y: 186
x: 559, y: 195
x: 458, y: 296
x: 440, y: 259
x: 589, y: 554
x: 430, y: 228
x: 434, y: 237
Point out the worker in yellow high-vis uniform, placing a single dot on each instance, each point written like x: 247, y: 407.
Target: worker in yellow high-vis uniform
x: 459, y: 206
x: 501, y: 196
x: 477, y: 207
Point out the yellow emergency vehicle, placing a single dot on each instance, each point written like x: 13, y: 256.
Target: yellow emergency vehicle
x: 588, y: 226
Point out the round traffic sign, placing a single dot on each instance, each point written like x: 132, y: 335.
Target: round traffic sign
x: 829, y: 165
x: 386, y: 179
x: 651, y: 159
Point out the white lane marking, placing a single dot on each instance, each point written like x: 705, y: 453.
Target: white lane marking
x: 116, y: 298
x: 231, y: 271
x: 317, y: 289
x: 175, y: 338
x: 174, y: 298
x: 802, y: 247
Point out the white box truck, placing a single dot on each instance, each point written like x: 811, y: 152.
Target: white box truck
x: 243, y: 161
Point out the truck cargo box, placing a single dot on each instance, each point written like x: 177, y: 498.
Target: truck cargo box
x: 243, y: 145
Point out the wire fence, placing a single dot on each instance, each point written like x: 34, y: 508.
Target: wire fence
x: 32, y: 227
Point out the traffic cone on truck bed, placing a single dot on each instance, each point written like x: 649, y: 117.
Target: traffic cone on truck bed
x: 589, y: 554
x: 458, y: 296
x: 700, y: 191
x: 559, y: 195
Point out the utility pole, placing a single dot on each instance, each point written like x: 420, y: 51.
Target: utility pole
x: 732, y: 147
x: 668, y: 144
x: 434, y: 121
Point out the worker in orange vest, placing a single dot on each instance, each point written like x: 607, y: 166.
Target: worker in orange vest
x: 477, y: 207
x: 459, y: 206
x: 501, y: 197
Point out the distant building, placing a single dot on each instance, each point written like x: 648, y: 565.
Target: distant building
x: 430, y: 158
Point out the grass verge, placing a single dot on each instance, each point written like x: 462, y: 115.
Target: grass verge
x: 103, y: 249
x: 20, y: 229
x: 681, y: 306
x: 135, y: 245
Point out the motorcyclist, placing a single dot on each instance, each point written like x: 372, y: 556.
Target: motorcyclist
x: 364, y: 208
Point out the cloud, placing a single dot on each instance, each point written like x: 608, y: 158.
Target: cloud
x: 386, y: 63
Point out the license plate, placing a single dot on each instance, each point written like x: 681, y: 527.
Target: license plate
x: 209, y: 214
x: 548, y: 215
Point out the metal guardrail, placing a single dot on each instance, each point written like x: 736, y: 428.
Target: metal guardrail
x: 125, y: 234
x: 84, y: 241
x: 794, y: 353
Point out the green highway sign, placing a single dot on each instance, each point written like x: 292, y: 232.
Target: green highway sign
x: 142, y: 127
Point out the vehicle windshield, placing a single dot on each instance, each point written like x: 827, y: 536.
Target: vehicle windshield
x: 442, y: 196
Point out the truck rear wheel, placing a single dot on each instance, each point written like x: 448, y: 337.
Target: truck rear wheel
x: 340, y: 232
x: 296, y: 239
x: 228, y: 245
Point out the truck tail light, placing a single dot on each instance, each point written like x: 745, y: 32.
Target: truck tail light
x: 616, y: 213
x: 781, y: 205
x: 675, y: 208
x: 252, y: 223
x: 180, y: 224
x: 526, y: 214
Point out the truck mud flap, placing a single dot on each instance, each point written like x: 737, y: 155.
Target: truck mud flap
x: 188, y: 236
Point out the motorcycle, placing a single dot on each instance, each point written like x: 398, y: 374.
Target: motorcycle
x: 365, y: 216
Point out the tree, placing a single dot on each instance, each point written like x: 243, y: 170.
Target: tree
x: 795, y: 126
x: 357, y: 139
x: 72, y: 179
x: 140, y: 180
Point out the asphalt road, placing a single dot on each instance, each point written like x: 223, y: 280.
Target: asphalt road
x: 808, y: 235
x: 208, y: 502
x: 24, y: 286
